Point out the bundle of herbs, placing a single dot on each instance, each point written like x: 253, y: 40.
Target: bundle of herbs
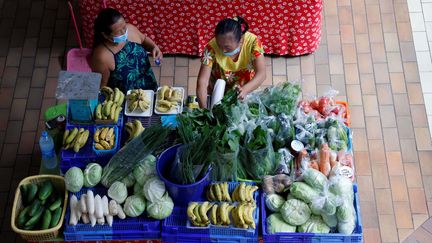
x: 194, y: 157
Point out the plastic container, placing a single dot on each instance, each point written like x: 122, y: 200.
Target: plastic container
x: 112, y: 151
x: 356, y: 236
x: 140, y: 227
x: 49, y: 156
x: 176, y: 227
x: 38, y: 235
x: 180, y: 194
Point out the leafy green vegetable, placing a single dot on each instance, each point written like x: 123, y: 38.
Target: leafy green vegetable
x: 315, y: 179
x: 276, y: 224
x: 154, y: 189
x: 303, y: 191
x: 92, y: 174
x: 74, y: 179
x: 274, y: 202
x: 282, y: 99
x: 134, y: 206
x: 162, y: 208
x: 315, y: 224
x: 295, y: 212
x: 118, y: 192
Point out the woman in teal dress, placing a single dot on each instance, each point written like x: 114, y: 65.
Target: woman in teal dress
x: 120, y: 53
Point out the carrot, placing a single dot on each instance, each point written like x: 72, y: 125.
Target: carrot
x: 298, y: 161
x: 324, y: 165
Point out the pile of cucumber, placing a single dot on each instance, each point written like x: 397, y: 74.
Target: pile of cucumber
x: 42, y: 206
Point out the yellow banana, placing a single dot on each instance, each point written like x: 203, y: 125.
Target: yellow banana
x: 190, y: 209
x: 225, y: 193
x: 241, y: 192
x: 203, y: 211
x: 116, y: 95
x: 107, y: 108
x: 96, y: 135
x: 103, y: 133
x: 105, y: 144
x: 112, y: 112
x: 109, y: 134
x: 98, y: 146
x: 98, y: 112
x: 72, y: 135
x: 121, y: 99
x: 117, y: 114
x: 213, y: 214
x: 65, y: 135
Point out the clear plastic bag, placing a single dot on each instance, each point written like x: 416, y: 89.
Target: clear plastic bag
x: 176, y: 172
x: 282, y: 98
x: 277, y: 183
x: 225, y: 166
x: 326, y: 203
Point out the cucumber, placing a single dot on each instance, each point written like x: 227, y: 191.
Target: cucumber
x: 31, y: 192
x: 56, y: 217
x: 45, y: 190
x: 23, y: 216
x: 24, y: 191
x: 36, y: 217
x: 46, y: 220
x: 34, y: 207
x: 28, y: 227
x: 56, y: 203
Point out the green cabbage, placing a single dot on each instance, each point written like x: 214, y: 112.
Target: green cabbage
x: 295, y: 212
x: 302, y: 191
x: 145, y: 169
x: 161, y: 209
x: 346, y: 227
x: 118, y: 192
x: 274, y: 202
x: 138, y: 189
x: 134, y: 206
x: 330, y: 220
x: 74, y: 179
x: 326, y: 203
x: 129, y: 180
x: 92, y: 174
x: 276, y: 224
x: 154, y: 189
x: 315, y: 179
x: 346, y: 211
x: 315, y: 224
x: 342, y: 186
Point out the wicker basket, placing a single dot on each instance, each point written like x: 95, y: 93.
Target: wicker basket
x: 38, y: 235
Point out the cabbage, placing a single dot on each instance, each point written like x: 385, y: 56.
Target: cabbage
x: 129, y: 180
x: 315, y: 178
x: 276, y: 224
x: 326, y: 203
x: 154, y: 189
x: 134, y: 206
x: 138, y: 189
x: 145, y: 169
x: 118, y: 192
x: 330, y: 220
x: 346, y: 211
x: 295, y: 212
x: 302, y: 191
x: 342, y: 186
x: 315, y: 224
x: 161, y: 209
x: 274, y: 202
x: 74, y: 179
x: 92, y: 174
x: 346, y: 227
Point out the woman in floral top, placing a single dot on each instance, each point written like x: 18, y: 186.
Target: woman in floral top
x: 234, y: 55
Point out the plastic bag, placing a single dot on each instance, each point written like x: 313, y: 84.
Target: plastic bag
x: 281, y: 99
x: 285, y: 159
x: 276, y: 184
x: 226, y: 166
x: 177, y: 168
x: 326, y: 203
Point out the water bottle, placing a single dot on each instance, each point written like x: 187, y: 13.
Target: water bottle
x: 49, y: 157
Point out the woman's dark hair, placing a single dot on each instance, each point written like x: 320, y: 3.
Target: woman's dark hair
x: 237, y: 25
x: 103, y: 22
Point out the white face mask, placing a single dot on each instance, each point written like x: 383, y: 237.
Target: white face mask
x: 230, y: 54
x: 121, y: 38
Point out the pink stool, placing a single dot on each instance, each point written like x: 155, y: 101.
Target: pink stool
x: 78, y: 59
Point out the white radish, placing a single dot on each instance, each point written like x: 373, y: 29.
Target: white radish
x: 90, y: 202
x: 105, y: 206
x: 113, y: 208
x: 83, y: 203
x: 109, y: 219
x: 101, y: 221
x: 120, y: 213
x: 92, y: 218
x: 73, y: 207
x: 98, y: 207
x: 85, y: 218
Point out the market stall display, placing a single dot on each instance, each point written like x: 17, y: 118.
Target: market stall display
x: 201, y: 176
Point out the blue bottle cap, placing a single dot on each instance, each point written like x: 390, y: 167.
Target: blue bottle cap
x: 44, y: 134
x: 157, y: 61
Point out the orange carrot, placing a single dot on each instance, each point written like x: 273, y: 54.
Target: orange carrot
x: 324, y: 165
x: 314, y: 165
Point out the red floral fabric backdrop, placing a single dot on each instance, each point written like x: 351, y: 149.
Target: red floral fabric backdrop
x: 290, y: 27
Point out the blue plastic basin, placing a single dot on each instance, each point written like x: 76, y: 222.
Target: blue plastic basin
x: 180, y: 194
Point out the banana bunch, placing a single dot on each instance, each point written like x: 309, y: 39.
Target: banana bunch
x: 244, y: 193
x: 168, y: 98
x: 138, y: 99
x: 104, y: 138
x: 218, y: 192
x: 134, y: 129
x: 112, y: 106
x: 242, y: 215
x: 75, y: 139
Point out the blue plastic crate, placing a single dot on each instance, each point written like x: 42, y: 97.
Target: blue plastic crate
x: 176, y: 228
x: 140, y: 227
x: 356, y: 236
x: 116, y: 144
x: 85, y: 152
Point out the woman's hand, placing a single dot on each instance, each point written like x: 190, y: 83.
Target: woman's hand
x: 242, y: 92
x: 156, y: 52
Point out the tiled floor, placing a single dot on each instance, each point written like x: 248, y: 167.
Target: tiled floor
x: 367, y: 53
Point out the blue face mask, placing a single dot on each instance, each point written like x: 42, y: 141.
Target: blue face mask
x: 121, y: 38
x: 230, y: 54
